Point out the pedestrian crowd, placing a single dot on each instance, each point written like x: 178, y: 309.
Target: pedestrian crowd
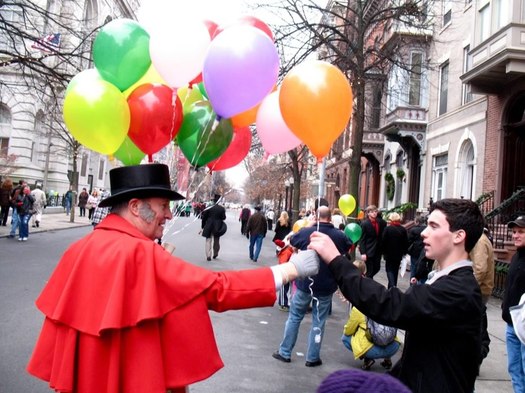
x: 443, y: 312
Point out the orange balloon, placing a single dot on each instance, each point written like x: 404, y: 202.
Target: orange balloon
x: 244, y: 119
x: 316, y: 104
x: 299, y: 224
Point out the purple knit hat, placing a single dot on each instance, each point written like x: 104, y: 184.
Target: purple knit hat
x: 357, y: 381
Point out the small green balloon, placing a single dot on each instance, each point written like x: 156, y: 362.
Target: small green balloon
x: 128, y: 153
x: 121, y: 52
x: 353, y: 231
x: 201, y: 138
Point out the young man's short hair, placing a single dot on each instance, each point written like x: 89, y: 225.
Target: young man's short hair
x: 462, y: 214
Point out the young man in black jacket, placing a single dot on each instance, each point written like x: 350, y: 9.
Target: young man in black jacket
x: 442, y: 318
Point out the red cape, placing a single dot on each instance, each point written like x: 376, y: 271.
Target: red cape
x: 123, y: 315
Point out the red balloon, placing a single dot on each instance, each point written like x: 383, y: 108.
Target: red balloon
x: 236, y: 151
x: 211, y: 26
x: 249, y: 21
x: 156, y: 116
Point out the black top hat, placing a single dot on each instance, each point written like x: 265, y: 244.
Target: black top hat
x: 139, y: 181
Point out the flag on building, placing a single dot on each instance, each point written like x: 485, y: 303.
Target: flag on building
x: 50, y: 43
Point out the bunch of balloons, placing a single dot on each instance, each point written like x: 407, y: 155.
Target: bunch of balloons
x: 173, y: 78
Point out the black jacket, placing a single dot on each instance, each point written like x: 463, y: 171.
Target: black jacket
x: 442, y: 322
x: 213, y: 221
x: 394, y: 243
x: 515, y: 284
x: 415, y: 241
x: 370, y: 243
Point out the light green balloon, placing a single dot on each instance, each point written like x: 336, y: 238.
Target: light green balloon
x: 97, y: 114
x: 121, y: 52
x: 129, y: 154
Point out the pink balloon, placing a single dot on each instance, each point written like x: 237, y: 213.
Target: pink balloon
x: 240, y: 69
x: 273, y: 132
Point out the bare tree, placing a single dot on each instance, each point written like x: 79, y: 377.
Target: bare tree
x: 358, y: 36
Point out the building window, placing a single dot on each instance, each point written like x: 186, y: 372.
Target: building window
x: 416, y: 69
x: 439, y: 176
x: 484, y: 23
x: 447, y: 12
x: 443, y: 89
x: 501, y: 13
x: 466, y: 170
x: 10, y: 15
x: 376, y: 109
x: 101, y: 169
x: 466, y: 88
x: 4, y: 147
x: 84, y: 164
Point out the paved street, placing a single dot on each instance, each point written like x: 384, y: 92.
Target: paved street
x: 246, y: 339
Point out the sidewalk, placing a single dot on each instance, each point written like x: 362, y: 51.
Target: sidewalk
x: 53, y: 219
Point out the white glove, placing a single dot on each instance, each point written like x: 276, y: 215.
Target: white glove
x: 306, y: 262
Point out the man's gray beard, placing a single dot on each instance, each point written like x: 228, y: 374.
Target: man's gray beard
x: 146, y: 212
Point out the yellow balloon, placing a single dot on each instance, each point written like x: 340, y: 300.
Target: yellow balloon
x: 97, y: 114
x: 188, y: 96
x: 347, y: 204
x: 299, y: 224
x: 151, y: 76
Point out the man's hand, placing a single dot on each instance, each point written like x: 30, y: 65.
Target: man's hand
x: 306, y: 263
x: 324, y: 246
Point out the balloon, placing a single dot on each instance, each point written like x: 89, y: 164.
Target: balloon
x: 86, y: 76
x: 189, y: 96
x: 316, y: 104
x: 202, y: 90
x: 246, y: 20
x: 299, y: 224
x: 346, y: 204
x: 245, y: 118
x: 240, y: 69
x: 156, y: 116
x: 121, y: 52
x: 128, y: 153
x: 273, y: 132
x: 97, y: 115
x: 201, y: 138
x: 360, y: 214
x: 151, y: 76
x: 353, y: 231
x: 178, y: 50
x: 236, y: 151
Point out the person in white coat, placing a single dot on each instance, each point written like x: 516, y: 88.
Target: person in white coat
x: 38, y: 205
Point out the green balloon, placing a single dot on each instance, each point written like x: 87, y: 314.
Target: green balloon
x: 353, y: 231
x: 128, y: 153
x: 201, y: 138
x: 121, y: 52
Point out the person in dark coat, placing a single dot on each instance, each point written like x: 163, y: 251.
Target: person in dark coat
x: 514, y: 290
x: 213, y: 227
x: 82, y: 202
x: 5, y: 200
x: 415, y: 243
x: 243, y: 218
x: 394, y: 246
x: 256, y: 229
x: 442, y: 318
x: 370, y: 243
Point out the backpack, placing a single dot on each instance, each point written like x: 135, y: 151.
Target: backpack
x: 381, y: 335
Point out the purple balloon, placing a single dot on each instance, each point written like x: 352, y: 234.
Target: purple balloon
x: 240, y: 69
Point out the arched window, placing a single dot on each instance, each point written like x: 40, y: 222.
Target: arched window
x: 466, y: 170
x: 5, y: 129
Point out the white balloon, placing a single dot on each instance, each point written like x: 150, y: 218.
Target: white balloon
x: 178, y: 50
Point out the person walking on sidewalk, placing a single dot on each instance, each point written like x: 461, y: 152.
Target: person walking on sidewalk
x: 121, y: 314
x: 5, y: 200
x: 68, y: 200
x: 319, y: 288
x: 514, y: 289
x: 40, y: 203
x: 370, y: 242
x: 394, y: 245
x: 256, y: 228
x: 213, y: 227
x: 24, y: 203
x: 15, y: 219
x: 82, y: 202
x: 244, y: 216
x: 441, y: 318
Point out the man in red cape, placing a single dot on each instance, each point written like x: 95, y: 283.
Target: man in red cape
x: 124, y: 315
